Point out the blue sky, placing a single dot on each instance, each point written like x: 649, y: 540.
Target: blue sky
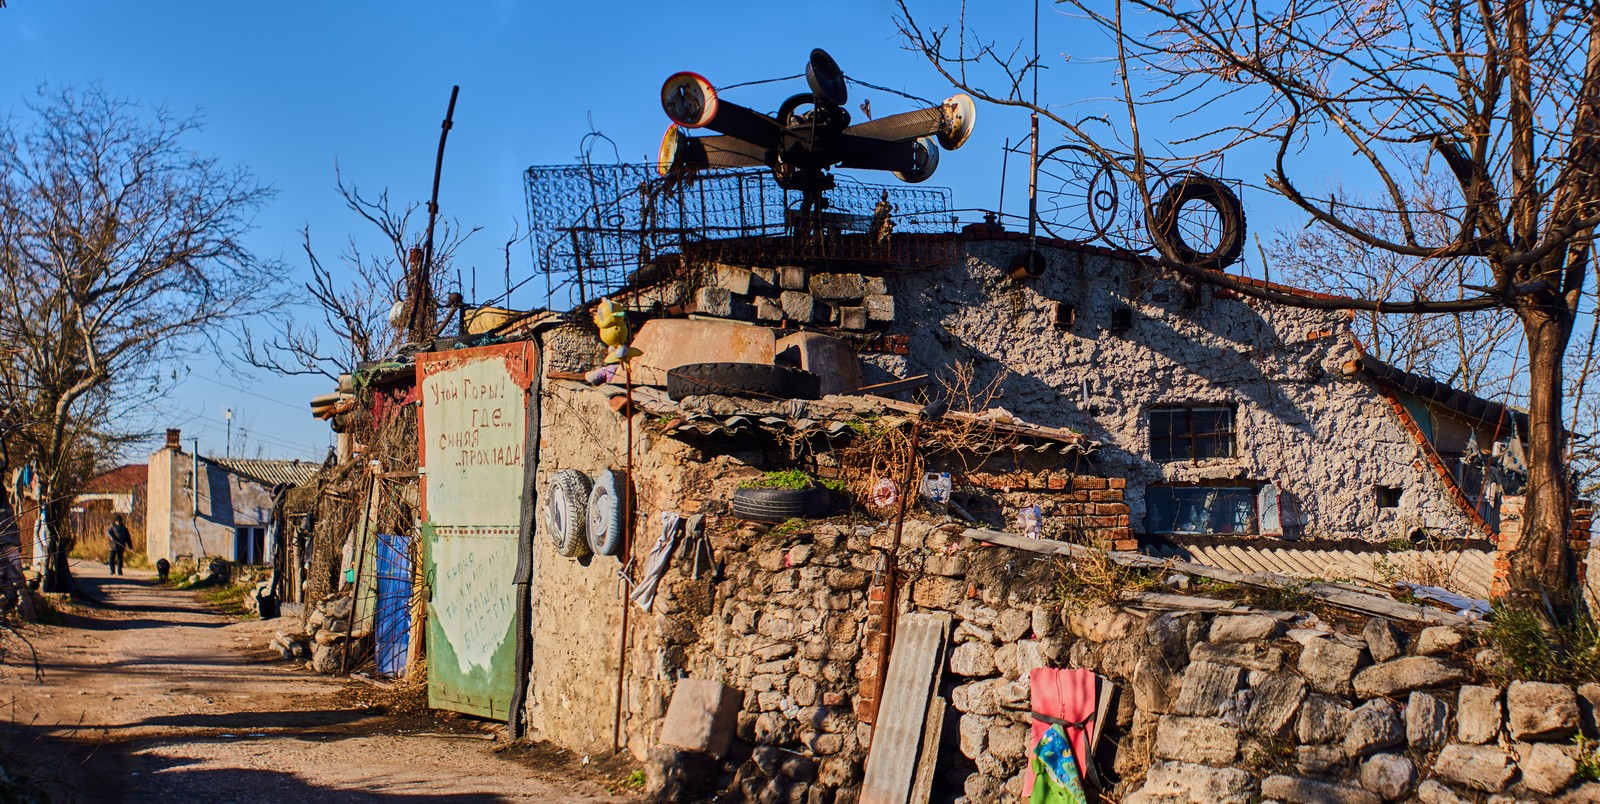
x: 290, y: 88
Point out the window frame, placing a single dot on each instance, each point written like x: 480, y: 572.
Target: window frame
x: 1178, y: 491
x: 1191, y: 440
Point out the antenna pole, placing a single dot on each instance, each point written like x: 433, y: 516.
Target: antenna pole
x: 421, y: 329
x: 1033, y: 145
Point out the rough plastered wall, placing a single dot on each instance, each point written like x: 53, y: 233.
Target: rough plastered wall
x: 1324, y: 439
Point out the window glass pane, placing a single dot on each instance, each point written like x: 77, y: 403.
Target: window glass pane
x: 1200, y: 509
x: 1169, y: 435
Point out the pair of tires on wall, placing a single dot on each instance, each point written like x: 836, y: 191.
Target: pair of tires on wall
x: 584, y: 516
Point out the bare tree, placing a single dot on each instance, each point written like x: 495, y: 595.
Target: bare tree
x: 1502, y: 97
x: 362, y: 302
x: 120, y: 251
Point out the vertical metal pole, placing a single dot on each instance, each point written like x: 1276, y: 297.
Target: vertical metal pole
x: 1033, y: 144
x: 627, y: 553
x: 1005, y: 159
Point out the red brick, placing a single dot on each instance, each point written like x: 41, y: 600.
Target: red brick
x: 1056, y: 483
x: 1092, y: 483
x: 1106, y: 495
x: 1117, y: 482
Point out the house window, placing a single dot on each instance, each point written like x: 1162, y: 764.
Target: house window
x: 1201, y: 509
x: 1191, y: 434
x: 1388, y: 496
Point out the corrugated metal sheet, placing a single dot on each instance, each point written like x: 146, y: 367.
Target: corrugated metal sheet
x: 271, y: 473
x: 1468, y: 572
x: 914, y: 670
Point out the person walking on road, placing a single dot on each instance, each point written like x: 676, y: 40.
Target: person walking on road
x: 121, y: 540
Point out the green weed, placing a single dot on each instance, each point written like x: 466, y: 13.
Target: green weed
x: 1563, y: 654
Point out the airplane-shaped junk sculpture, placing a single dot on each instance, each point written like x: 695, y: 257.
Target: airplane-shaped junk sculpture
x: 810, y: 134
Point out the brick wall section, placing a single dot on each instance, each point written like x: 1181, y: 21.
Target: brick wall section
x: 1510, y: 538
x: 1077, y: 505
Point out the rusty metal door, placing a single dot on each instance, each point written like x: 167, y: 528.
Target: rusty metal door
x: 473, y: 432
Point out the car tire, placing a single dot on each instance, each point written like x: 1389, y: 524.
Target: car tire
x: 779, y: 505
x: 742, y: 379
x: 607, y: 522
x: 566, y: 513
x: 1207, y: 190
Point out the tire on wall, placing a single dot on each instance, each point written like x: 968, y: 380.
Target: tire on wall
x: 607, y: 523
x: 779, y: 505
x: 566, y: 513
x: 742, y: 379
x: 1196, y: 187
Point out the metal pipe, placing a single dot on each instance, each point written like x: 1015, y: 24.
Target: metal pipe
x: 424, y: 279
x: 627, y: 553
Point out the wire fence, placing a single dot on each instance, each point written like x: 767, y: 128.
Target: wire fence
x: 594, y: 228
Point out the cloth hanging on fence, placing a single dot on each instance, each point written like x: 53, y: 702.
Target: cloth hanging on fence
x: 1068, y: 698
x: 1055, y: 770
x: 660, y: 558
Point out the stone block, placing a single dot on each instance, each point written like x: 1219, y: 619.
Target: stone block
x: 1102, y: 623
x: 1404, y: 675
x: 1168, y: 633
x: 1319, y: 760
x: 1328, y: 665
x: 792, y: 277
x: 1384, y: 640
x: 1244, y: 628
x: 1207, y: 688
x: 1300, y: 790
x: 800, y: 307
x: 1547, y: 768
x: 1276, y: 702
x: 974, y: 735
x: 1008, y: 742
x: 1438, y: 640
x: 1373, y: 726
x: 1322, y: 720
x: 1541, y: 711
x: 1589, y: 709
x: 973, y: 659
x: 1480, y: 767
x: 1187, y: 783
x: 880, y: 308
x: 1478, y: 714
x: 838, y: 287
x: 1427, y: 721
x: 853, y: 319
x: 1388, y: 775
x: 1432, y: 792
x: 768, y: 309
x: 875, y: 285
x: 1013, y: 624
x: 1047, y: 621
x: 1256, y: 656
x: 1154, y: 686
x: 977, y: 698
x: 1196, y: 739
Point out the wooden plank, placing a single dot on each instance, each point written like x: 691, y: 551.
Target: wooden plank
x: 1327, y: 593
x: 1163, y: 600
x: 891, y: 387
x: 928, y: 759
x: 914, y: 670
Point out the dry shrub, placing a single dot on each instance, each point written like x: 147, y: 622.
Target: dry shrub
x: 1092, y: 578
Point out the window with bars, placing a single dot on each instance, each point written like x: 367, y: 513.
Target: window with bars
x: 1192, y: 434
x: 1201, y: 509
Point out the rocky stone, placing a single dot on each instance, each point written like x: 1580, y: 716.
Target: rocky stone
x: 1328, y: 665
x: 1588, y: 793
x: 1013, y: 625
x: 1480, y: 767
x: 1547, y: 768
x: 1046, y: 621
x: 1196, y: 739
x: 1540, y: 711
x: 1404, y: 675
x: 1153, y: 686
x: 1253, y: 656
x: 1008, y: 742
x: 1119, y: 657
x: 879, y: 307
x: 1318, y: 760
x: 1186, y: 783
x: 838, y: 772
x: 326, y: 658
x: 852, y: 318
x: 1322, y: 720
x: 1300, y: 790
x: 1244, y: 628
x: 968, y: 632
x: 1427, y: 721
x: 1168, y: 634
x: 1388, y: 775
x: 1478, y: 714
x: 1134, y: 750
x: 972, y: 659
x: 1384, y: 640
x: 1431, y: 792
x: 838, y: 287
x: 1275, y: 703
x: 1373, y: 726
x: 1206, y: 688
x: 1438, y: 640
x: 1589, y: 709
x: 1102, y: 623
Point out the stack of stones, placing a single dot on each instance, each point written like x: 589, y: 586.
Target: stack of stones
x: 849, y: 301
x: 328, y: 634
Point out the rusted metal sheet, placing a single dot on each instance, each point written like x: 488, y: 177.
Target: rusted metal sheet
x: 473, y: 435
x: 914, y: 670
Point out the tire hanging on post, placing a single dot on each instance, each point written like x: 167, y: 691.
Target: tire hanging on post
x: 1196, y: 187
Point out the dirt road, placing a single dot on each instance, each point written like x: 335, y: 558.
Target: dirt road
x: 158, y: 697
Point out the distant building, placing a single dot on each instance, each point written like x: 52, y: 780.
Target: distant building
x: 122, y: 490
x: 203, y: 508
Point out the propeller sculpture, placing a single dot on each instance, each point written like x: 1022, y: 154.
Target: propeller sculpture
x: 810, y: 134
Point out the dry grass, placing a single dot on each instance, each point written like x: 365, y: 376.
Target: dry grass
x: 1093, y: 578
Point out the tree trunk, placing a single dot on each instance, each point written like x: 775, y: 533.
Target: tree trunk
x: 1540, y: 562
x: 58, y: 542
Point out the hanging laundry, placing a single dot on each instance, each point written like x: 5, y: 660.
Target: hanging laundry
x: 1055, y: 771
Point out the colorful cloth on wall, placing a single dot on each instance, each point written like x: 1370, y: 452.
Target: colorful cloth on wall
x: 1071, y: 697
x: 1055, y: 771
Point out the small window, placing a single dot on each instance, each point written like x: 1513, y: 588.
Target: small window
x: 1191, y: 434
x: 1064, y: 315
x: 1121, y: 319
x: 1201, y: 509
x: 1388, y: 496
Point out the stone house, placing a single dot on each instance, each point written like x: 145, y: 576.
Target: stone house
x: 203, y: 508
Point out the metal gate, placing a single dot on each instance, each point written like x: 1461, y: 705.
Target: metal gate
x: 473, y: 431
x: 391, y: 628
